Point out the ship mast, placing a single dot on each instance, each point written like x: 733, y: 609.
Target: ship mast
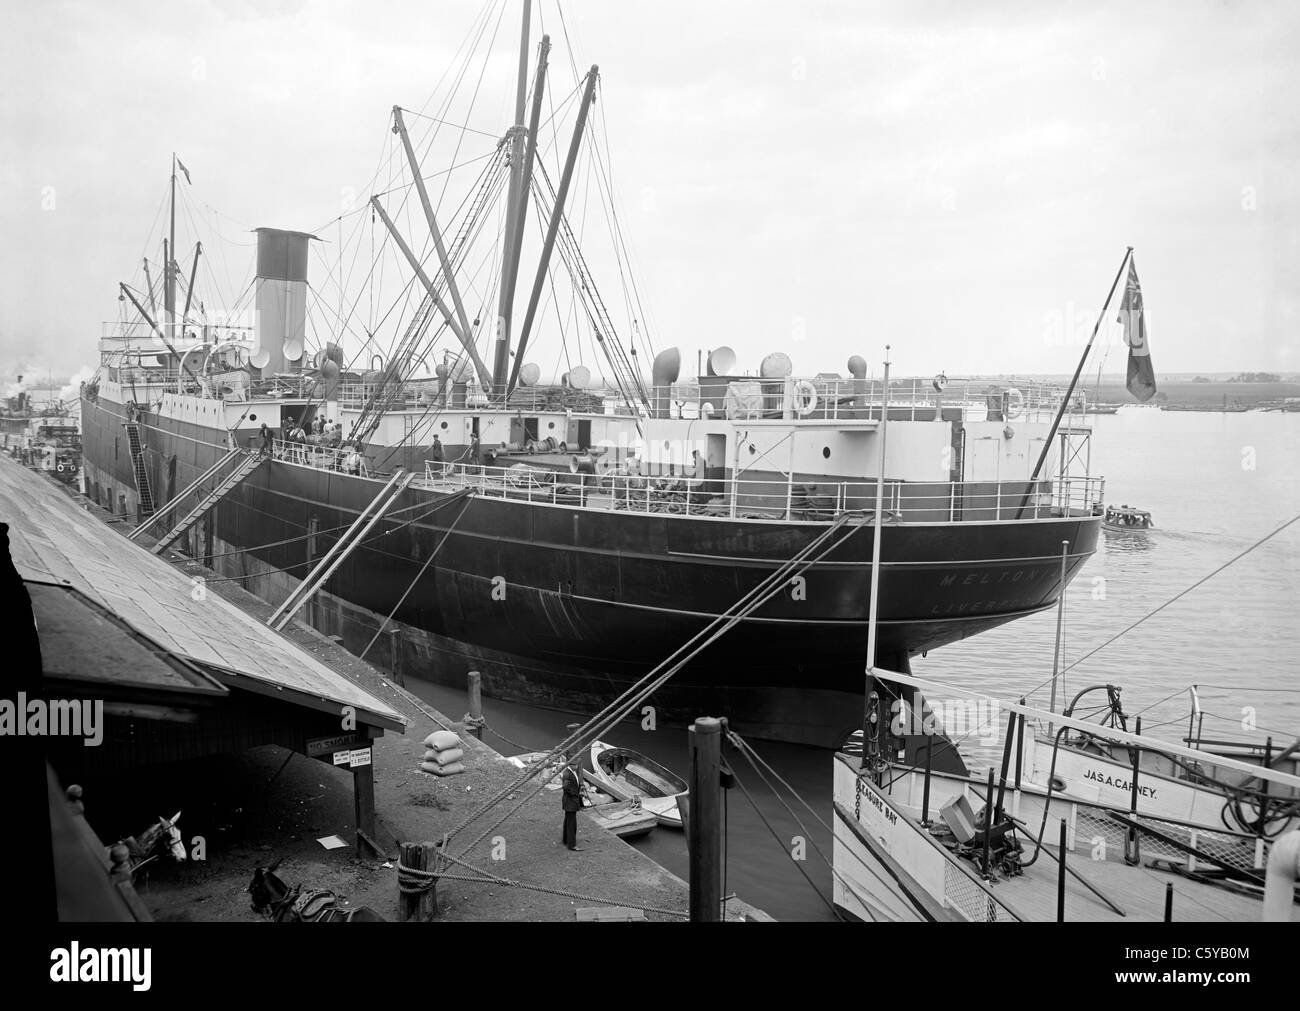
x: 518, y: 193
x: 169, y: 275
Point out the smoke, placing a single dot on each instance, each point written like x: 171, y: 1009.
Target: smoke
x: 71, y: 394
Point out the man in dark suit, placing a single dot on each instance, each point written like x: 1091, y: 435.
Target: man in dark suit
x: 571, y: 797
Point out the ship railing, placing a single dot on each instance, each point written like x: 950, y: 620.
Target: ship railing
x: 743, y: 498
x: 115, y: 335
x: 277, y: 387
x: 823, y: 398
x: 431, y: 394
x: 318, y: 453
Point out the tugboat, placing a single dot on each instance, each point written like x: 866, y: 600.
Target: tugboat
x: 1125, y: 519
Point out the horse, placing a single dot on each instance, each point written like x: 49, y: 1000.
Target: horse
x: 272, y: 897
x: 159, y: 839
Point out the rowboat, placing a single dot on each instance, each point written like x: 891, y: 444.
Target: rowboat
x: 624, y: 818
x: 627, y: 774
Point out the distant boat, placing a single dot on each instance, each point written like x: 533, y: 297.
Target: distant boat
x: 627, y: 774
x: 1104, y: 409
x: 1127, y: 520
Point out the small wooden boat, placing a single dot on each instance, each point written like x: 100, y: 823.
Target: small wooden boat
x: 1125, y: 519
x: 629, y: 774
x: 624, y: 818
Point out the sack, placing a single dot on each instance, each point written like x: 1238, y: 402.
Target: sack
x: 444, y: 757
x: 442, y: 770
x: 441, y: 740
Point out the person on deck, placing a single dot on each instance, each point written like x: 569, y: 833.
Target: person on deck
x: 298, y: 444
x: 571, y: 800
x: 268, y: 440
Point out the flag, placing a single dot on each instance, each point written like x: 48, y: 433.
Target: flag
x: 1141, y: 376
x: 181, y: 165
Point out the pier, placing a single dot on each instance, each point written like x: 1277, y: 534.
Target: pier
x: 258, y: 797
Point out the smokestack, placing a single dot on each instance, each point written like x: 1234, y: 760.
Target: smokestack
x: 281, y: 300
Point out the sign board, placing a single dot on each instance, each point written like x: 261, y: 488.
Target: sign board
x: 352, y: 758
x: 319, y: 746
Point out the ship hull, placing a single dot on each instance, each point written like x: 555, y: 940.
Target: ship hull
x: 565, y: 607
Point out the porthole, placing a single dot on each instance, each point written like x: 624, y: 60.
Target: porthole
x: 252, y: 417
x: 550, y: 425
x: 444, y: 425
x: 826, y: 452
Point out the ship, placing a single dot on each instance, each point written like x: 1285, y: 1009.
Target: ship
x: 563, y: 535
x: 43, y: 435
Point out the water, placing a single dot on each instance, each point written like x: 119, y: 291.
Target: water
x: 1214, y: 484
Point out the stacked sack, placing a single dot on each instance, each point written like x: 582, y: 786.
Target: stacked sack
x: 443, y: 754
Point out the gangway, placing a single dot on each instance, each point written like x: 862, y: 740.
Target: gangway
x: 246, y: 466
x: 180, y: 497
x: 143, y: 492
x: 333, y: 558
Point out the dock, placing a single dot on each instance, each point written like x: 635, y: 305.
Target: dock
x: 254, y: 802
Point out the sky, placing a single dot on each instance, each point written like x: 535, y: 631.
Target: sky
x: 957, y: 181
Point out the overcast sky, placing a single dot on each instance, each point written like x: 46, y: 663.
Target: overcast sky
x: 959, y: 180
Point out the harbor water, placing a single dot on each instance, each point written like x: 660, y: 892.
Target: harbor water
x: 1214, y: 484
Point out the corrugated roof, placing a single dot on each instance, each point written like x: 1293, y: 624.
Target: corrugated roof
x: 53, y: 541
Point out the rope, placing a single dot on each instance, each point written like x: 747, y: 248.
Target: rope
x: 1180, y: 595
x: 951, y: 744
x: 469, y: 495
x: 490, y: 878
x: 780, y: 842
x: 756, y: 761
x: 514, y: 744
x: 631, y: 697
x: 415, y: 880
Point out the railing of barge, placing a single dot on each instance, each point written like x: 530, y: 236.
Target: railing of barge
x: 742, y: 498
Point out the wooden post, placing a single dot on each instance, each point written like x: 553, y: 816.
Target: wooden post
x: 313, y: 529
x: 363, y: 796
x: 1060, y: 877
x: 1132, y: 843
x: 705, y: 844
x: 418, y: 906
x: 474, y: 718
x: 395, y: 654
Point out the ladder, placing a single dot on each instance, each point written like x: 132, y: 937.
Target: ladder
x: 246, y: 466
x: 142, y: 489
x: 341, y: 548
x: 189, y: 489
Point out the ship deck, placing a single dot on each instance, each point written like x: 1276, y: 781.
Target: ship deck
x: 1139, y: 891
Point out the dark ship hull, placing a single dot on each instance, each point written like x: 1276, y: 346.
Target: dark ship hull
x: 564, y: 607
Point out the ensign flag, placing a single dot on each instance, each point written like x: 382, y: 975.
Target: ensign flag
x: 1141, y: 376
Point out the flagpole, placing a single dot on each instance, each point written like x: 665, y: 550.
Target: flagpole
x: 873, y: 607
x: 169, y: 289
x: 1065, y: 401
